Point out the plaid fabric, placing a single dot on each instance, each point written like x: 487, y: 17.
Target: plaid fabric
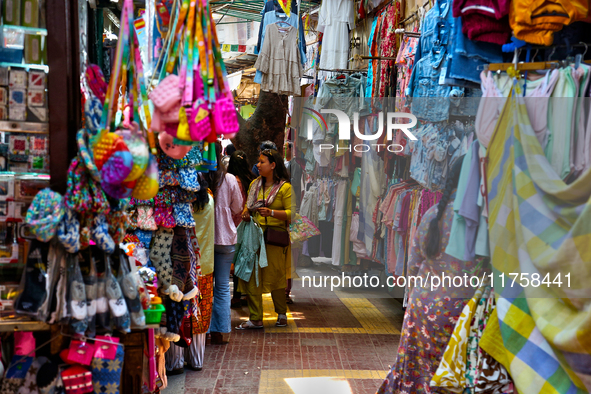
x: 538, y: 224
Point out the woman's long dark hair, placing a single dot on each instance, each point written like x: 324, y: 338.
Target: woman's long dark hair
x: 240, y: 168
x: 216, y: 178
x: 202, y: 195
x: 280, y: 172
x: 433, y: 238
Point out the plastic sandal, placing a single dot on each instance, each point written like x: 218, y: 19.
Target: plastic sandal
x: 248, y: 325
x: 281, y: 321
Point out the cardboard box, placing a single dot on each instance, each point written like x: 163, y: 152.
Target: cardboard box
x: 36, y: 98
x: 18, y: 145
x: 25, y: 190
x: 33, y: 50
x: 3, y: 76
x: 37, y: 80
x: 37, y: 114
x: 17, y: 113
x: 18, y: 79
x: 30, y: 13
x: 18, y: 97
x: 11, y: 10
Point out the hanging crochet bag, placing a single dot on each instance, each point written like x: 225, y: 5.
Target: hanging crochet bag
x: 44, y: 214
x: 122, y: 156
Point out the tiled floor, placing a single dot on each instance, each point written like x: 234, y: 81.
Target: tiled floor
x: 335, y: 342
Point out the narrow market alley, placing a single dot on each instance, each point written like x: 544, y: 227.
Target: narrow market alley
x: 335, y: 342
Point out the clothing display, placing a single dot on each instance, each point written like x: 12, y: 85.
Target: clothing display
x: 335, y: 19
x: 246, y: 111
x: 279, y: 62
x: 432, y: 314
x: 433, y: 156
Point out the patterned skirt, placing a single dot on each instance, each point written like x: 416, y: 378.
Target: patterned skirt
x: 204, y: 305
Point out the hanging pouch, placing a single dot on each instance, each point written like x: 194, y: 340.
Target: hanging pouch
x: 33, y: 287
x: 224, y: 115
x: 103, y: 318
x: 120, y: 190
x: 139, y: 151
x: 189, y: 179
x: 147, y: 186
x: 182, y: 132
x: 119, y: 314
x: 168, y: 178
x: 129, y: 286
x: 170, y: 148
x: 15, y: 374
x: 183, y: 215
x: 100, y: 234
x: 172, y: 115
x: 145, y: 218
x: 167, y: 94
x: 76, y: 296
x: 164, y: 217
x: 199, y: 121
x: 68, y: 232
x: 96, y: 81
x: 88, y: 269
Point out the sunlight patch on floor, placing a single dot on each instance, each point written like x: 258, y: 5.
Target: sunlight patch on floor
x: 320, y: 385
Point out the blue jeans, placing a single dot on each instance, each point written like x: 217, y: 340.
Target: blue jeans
x: 222, y: 264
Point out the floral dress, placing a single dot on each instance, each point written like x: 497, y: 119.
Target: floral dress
x: 431, y: 316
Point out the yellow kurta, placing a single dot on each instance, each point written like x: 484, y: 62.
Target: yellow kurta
x: 204, y: 230
x: 275, y: 275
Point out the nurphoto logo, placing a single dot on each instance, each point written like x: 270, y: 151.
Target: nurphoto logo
x: 344, y: 124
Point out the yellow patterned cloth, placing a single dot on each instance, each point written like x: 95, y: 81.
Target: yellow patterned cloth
x: 538, y: 226
x: 451, y: 373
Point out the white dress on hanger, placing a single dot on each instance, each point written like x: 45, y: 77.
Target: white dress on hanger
x: 335, y: 19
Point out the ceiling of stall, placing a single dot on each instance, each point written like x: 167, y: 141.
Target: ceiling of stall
x: 251, y: 9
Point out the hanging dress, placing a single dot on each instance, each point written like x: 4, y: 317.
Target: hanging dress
x: 336, y: 17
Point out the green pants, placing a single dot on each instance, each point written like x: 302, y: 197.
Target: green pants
x: 255, y: 304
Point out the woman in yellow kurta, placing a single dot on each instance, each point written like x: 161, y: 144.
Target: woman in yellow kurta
x: 269, y: 202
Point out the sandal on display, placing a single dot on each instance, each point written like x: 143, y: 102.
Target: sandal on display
x: 281, y: 321
x: 249, y: 325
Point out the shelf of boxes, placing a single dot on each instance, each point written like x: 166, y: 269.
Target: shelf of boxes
x: 11, y: 325
x: 27, y: 67
x: 38, y: 31
x: 24, y: 127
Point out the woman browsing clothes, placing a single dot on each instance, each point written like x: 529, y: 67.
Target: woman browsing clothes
x: 269, y: 204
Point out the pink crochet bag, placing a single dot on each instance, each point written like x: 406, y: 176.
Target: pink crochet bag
x: 199, y: 122
x: 167, y: 94
x: 224, y: 116
x: 157, y: 123
x: 172, y: 115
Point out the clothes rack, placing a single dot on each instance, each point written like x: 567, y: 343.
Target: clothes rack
x: 407, y: 33
x: 342, y: 70
x: 414, y: 14
x: 359, y: 57
x: 523, y: 66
